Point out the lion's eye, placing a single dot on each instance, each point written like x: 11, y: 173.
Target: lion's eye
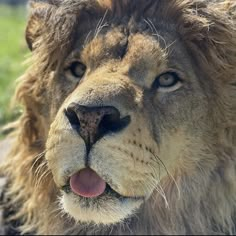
x: 167, y: 81
x: 77, y: 69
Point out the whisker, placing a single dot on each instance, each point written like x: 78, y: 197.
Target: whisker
x: 150, y: 26
x: 156, y: 33
x: 37, y: 158
x: 100, y: 26
x: 168, y: 173
x: 157, y: 187
x: 87, y: 38
x: 42, y: 177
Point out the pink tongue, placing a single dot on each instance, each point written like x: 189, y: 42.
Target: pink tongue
x: 87, y: 183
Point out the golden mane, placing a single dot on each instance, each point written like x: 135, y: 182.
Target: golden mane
x: 208, y: 30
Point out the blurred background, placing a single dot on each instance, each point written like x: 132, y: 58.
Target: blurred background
x: 13, y: 52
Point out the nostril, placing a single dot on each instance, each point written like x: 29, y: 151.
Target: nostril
x: 108, y: 123
x: 92, y: 123
x: 73, y: 118
x: 113, y: 123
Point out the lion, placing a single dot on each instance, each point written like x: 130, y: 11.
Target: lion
x: 128, y: 122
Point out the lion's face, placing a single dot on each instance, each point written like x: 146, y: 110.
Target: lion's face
x: 133, y: 110
x: 128, y: 109
x: 128, y: 123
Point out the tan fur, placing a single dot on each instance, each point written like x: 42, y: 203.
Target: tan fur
x: 179, y: 150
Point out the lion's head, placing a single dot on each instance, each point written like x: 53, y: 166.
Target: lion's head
x: 129, y: 118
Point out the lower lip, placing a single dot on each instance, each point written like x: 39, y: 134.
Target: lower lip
x: 108, y: 191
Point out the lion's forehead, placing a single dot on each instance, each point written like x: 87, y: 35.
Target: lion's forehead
x: 142, y: 52
x: 106, y: 34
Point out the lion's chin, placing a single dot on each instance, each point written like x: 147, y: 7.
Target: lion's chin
x: 106, y: 210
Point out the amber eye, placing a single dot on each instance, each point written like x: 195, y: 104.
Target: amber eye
x: 77, y: 69
x: 166, y: 80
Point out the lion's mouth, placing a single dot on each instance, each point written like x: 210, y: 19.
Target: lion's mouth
x: 87, y: 184
x: 107, y: 192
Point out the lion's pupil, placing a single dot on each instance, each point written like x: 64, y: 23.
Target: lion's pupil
x: 78, y: 69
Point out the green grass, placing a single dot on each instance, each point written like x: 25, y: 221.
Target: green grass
x: 12, y: 54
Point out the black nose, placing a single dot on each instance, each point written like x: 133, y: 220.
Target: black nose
x: 92, y: 123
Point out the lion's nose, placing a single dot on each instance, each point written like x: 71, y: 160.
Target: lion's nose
x: 92, y: 123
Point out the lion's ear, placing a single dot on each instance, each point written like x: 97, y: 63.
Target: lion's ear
x: 39, y: 11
